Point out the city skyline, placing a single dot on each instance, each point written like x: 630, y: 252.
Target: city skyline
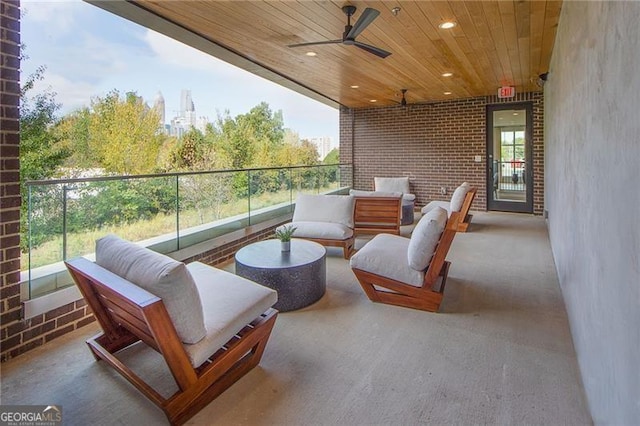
x: 89, y: 52
x: 187, y: 118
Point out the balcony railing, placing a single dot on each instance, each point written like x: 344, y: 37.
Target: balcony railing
x: 167, y: 212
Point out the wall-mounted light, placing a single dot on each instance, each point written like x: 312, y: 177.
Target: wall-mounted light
x: 395, y: 11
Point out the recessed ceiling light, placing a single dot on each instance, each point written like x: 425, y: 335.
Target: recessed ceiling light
x: 447, y: 74
x: 447, y: 25
x: 373, y: 100
x: 355, y: 86
x: 311, y: 53
x: 515, y: 113
x: 447, y: 93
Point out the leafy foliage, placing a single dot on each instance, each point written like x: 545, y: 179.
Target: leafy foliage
x: 119, y: 134
x: 122, y: 135
x: 41, y: 150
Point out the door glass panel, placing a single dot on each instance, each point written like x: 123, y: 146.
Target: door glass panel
x: 509, y: 155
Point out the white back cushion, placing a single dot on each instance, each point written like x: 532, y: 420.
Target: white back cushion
x: 325, y: 208
x: 359, y: 193
x: 457, y: 199
x: 400, y: 184
x: 425, y: 237
x: 159, y: 274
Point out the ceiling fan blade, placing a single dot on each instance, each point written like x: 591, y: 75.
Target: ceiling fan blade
x: 365, y: 19
x: 313, y: 43
x: 372, y: 49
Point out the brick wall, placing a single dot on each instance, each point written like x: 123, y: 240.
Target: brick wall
x: 10, y: 307
x: 434, y: 144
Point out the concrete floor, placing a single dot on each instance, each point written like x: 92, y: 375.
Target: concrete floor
x: 499, y: 352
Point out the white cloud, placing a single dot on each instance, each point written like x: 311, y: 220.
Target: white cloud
x: 72, y: 95
x: 174, y: 53
x: 43, y: 11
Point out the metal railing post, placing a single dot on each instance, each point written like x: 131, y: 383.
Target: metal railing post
x: 177, y: 212
x: 64, y: 222
x: 249, y: 195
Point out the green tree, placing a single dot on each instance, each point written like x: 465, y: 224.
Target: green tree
x: 41, y: 154
x: 120, y: 134
x: 190, y: 152
x: 251, y: 139
x: 41, y: 149
x: 333, y: 157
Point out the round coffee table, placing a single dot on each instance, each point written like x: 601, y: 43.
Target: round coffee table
x: 299, y: 276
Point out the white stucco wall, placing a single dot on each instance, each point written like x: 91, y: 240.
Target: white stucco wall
x: 592, y: 181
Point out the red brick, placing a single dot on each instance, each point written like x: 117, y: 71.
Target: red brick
x: 9, y: 291
x: 85, y: 321
x: 10, y: 343
x: 59, y: 332
x: 58, y: 312
x: 38, y: 331
x: 65, y: 319
x: 9, y: 317
x: 25, y: 347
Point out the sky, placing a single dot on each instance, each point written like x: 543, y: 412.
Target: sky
x: 89, y: 52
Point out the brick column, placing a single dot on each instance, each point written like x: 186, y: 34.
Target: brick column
x: 9, y: 168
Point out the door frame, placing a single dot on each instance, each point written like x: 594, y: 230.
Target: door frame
x: 511, y: 206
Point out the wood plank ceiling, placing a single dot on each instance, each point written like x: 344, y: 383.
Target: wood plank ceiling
x: 494, y: 43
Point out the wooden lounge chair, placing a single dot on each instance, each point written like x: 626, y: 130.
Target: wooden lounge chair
x: 326, y: 220
x: 390, y: 270
x: 464, y: 217
x: 461, y: 201
x: 129, y: 314
x: 377, y: 212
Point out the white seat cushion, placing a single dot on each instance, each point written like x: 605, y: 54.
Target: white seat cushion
x: 433, y: 204
x: 425, y: 237
x: 386, y: 255
x: 229, y: 303
x: 457, y: 199
x: 160, y: 275
x: 325, y: 230
x: 325, y: 208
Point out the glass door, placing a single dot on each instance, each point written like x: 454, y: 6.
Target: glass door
x: 509, y: 149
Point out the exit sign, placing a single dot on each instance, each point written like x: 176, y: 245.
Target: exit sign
x: 506, y: 92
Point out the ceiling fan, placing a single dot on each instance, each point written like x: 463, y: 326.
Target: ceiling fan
x: 403, y: 102
x: 351, y: 32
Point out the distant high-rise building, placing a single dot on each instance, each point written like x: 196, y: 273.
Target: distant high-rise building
x: 158, y: 105
x: 323, y: 144
x: 201, y: 123
x: 186, y: 119
x: 186, y: 103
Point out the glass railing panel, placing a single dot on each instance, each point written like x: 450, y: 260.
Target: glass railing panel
x: 45, y: 226
x: 211, y: 204
x: 164, y: 212
x: 135, y: 209
x: 270, y: 193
